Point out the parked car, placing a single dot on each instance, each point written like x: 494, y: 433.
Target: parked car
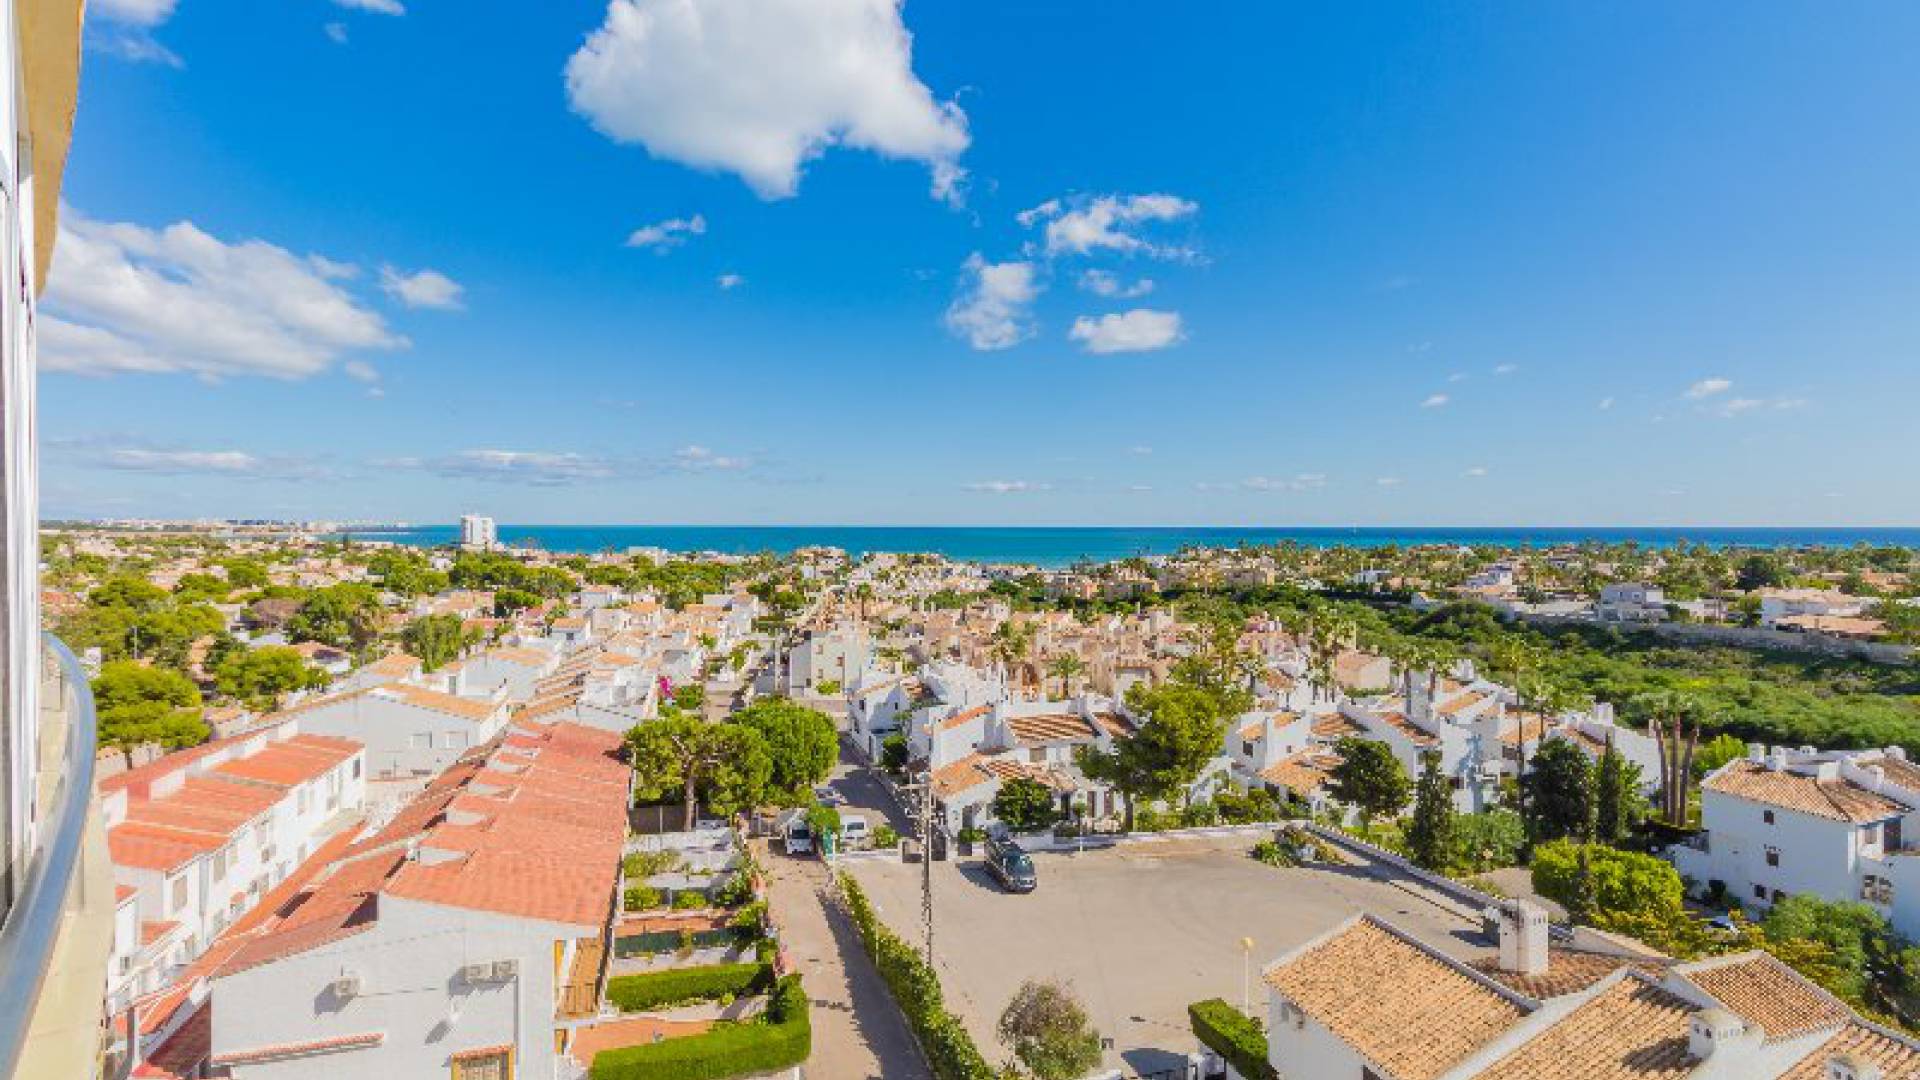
x: 1010, y: 866
x: 854, y: 832
x: 825, y: 795
x: 797, y: 835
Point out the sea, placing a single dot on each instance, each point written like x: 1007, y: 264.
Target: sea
x: 1065, y: 546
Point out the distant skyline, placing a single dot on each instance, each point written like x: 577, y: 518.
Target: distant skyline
x: 1010, y: 262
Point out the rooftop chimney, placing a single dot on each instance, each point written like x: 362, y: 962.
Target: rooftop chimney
x: 1523, y: 938
x: 1712, y: 1031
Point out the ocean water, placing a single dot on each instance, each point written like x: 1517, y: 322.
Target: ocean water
x: 1067, y: 545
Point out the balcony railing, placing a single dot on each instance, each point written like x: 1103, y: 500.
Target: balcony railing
x: 49, y: 874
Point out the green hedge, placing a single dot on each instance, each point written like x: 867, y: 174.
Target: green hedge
x: 950, y: 1051
x: 659, y: 989
x: 1233, y: 1035
x: 780, y: 1038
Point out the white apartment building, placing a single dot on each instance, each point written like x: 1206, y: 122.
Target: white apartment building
x: 1839, y: 825
x: 1779, y: 604
x: 198, y: 837
x: 477, y: 533
x: 1631, y: 602
x: 463, y: 938
x: 407, y: 730
x: 828, y: 655
x: 1369, y: 1001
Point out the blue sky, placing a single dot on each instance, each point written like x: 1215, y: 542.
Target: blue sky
x: 833, y: 261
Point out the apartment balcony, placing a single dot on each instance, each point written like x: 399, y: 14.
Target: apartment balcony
x: 58, y: 901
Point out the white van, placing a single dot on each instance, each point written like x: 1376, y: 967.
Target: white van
x: 854, y: 832
x: 796, y: 835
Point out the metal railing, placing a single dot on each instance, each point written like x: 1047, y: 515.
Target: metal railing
x: 34, y: 922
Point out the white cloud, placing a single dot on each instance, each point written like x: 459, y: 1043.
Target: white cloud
x: 1139, y: 330
x: 336, y: 32
x: 536, y: 467
x: 142, y: 13
x: 1476, y: 471
x: 701, y: 459
x: 729, y: 282
x: 1435, y: 401
x: 1298, y: 482
x: 1141, y: 450
x: 1387, y: 481
x: 761, y: 87
x: 669, y: 234
x: 1505, y: 369
x: 1107, y: 283
x: 993, y: 309
x: 1084, y: 226
x: 422, y: 289
x: 238, y: 464
x: 1006, y: 487
x: 1706, y: 388
x: 361, y: 371
x: 125, y: 298
x: 1457, y: 377
x: 377, y: 7
x: 1605, y: 404
x: 1139, y: 488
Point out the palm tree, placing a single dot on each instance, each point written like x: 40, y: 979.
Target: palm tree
x: 1066, y: 667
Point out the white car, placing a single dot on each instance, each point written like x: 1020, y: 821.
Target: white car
x: 854, y: 832
x: 826, y: 796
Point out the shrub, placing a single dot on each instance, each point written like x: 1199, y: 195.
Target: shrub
x: 662, y: 989
x: 1233, y: 1035
x: 949, y: 1050
x: 885, y: 837
x: 1618, y: 883
x: 827, y: 688
x: 645, y: 864
x: 641, y: 898
x: 1200, y: 815
x: 1274, y: 853
x: 747, y: 923
x: 780, y: 1039
x: 689, y: 900
x: 736, y: 890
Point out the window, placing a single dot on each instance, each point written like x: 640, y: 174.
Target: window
x: 484, y: 1065
x: 1759, y: 892
x: 1766, y: 816
x: 423, y: 740
x: 1773, y: 855
x: 1778, y: 896
x: 176, y: 894
x: 453, y: 740
x: 356, y: 768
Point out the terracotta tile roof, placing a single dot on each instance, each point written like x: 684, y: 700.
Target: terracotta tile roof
x: 433, y: 700
x: 1632, y: 1030
x: 1762, y: 990
x: 1049, y: 728
x: 1897, y: 1056
x: 963, y: 716
x: 1415, y: 734
x: 1568, y: 971
x: 280, y: 1051
x: 291, y: 762
x: 955, y: 777
x: 1303, y: 773
x: 396, y: 665
x: 1402, y: 1008
x: 152, y: 930
x: 1333, y: 726
x: 180, y: 1056
x: 1461, y: 703
x: 1835, y: 800
x: 590, y: 1041
x: 520, y: 655
x: 1115, y: 725
x: 149, y: 847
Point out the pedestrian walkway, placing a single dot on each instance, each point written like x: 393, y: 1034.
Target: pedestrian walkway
x: 858, y: 1032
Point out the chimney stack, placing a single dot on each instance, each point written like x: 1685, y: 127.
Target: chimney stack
x: 1523, y: 938
x: 1712, y: 1031
x: 1852, y: 1067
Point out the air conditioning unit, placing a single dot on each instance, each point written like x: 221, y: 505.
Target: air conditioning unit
x: 505, y: 969
x: 477, y: 973
x: 345, y: 986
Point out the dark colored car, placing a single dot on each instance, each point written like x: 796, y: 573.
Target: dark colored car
x: 1010, y: 866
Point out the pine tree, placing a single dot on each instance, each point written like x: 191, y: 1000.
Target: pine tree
x: 1611, y: 798
x: 1430, y: 834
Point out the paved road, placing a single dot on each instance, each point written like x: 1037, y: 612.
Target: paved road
x: 858, y: 1032
x: 1140, y: 930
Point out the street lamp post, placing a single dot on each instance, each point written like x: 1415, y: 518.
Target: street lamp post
x: 1246, y: 976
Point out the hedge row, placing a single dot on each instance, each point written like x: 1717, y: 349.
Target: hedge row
x: 1233, y: 1035
x: 659, y: 989
x: 780, y: 1038
x: 950, y: 1051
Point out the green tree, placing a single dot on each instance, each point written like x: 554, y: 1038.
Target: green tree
x: 435, y: 639
x: 1760, y: 572
x: 1618, y: 806
x: 1369, y: 779
x: 1024, y: 805
x: 246, y: 573
x: 802, y: 745
x: 345, y: 616
x: 1066, y: 667
x: 1430, y: 835
x: 508, y: 601
x: 1624, y: 885
x: 1716, y: 752
x: 259, y: 677
x: 893, y: 753
x: 1048, y: 1030
x: 137, y: 705
x: 1181, y: 734
x: 727, y: 763
x: 1559, y: 792
x: 1855, y: 938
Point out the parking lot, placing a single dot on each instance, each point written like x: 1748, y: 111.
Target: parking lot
x: 1140, y: 930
